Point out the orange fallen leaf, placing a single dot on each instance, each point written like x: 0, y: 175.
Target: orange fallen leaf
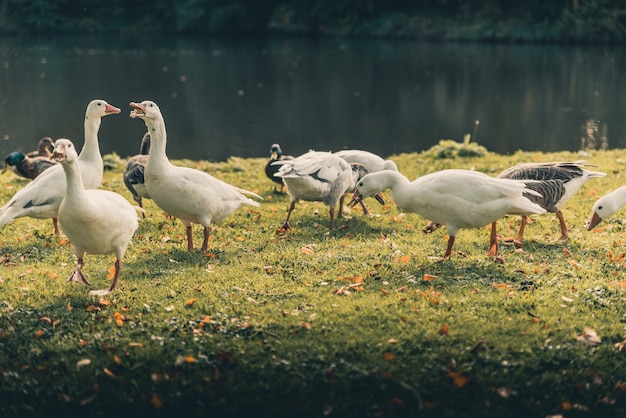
x: 574, y: 264
x: 387, y: 356
x: 110, y: 373
x: 111, y: 273
x: 119, y: 319
x: 39, y: 333
x: 191, y: 301
x: 156, y: 401
x: 444, y: 329
x: 306, y: 325
x: 428, y: 277
x: 458, y: 379
x: 567, y: 252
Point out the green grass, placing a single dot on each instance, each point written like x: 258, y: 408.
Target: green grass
x: 316, y: 322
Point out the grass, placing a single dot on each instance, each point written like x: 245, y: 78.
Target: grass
x: 359, y: 321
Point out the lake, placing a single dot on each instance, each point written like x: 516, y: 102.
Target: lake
x: 223, y: 97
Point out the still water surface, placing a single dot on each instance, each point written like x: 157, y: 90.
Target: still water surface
x: 237, y: 97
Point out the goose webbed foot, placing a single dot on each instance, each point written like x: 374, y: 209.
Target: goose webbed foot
x: 77, y: 276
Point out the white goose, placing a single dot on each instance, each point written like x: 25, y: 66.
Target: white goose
x: 558, y: 182
x: 134, y: 169
x: 370, y: 161
x: 190, y: 195
x: 455, y: 198
x: 41, y: 198
x: 95, y: 221
x: 606, y: 206
x: 318, y: 177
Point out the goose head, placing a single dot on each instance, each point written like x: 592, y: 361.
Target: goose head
x: 603, y: 208
x: 144, y: 110
x: 99, y: 108
x: 370, y: 185
x: 64, y: 151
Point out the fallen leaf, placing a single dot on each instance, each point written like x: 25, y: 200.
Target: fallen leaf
x: 39, y: 333
x: 191, y: 301
x: 156, y: 401
x: 82, y: 363
x: 387, y: 356
x: 589, y: 336
x: 458, y: 379
x: 428, y: 277
x: 444, y: 329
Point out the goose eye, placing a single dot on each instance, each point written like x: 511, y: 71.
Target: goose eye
x: 600, y: 207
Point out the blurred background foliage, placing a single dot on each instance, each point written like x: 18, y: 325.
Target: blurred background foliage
x: 520, y: 20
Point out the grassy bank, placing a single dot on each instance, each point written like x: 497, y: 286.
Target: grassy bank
x: 360, y: 321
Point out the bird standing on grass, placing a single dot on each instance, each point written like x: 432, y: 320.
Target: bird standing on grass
x: 557, y: 183
x: 276, y: 154
x: 455, y: 198
x: 95, y: 221
x: 41, y: 197
x: 318, y: 177
x: 190, y: 195
x: 25, y: 166
x: 134, y: 172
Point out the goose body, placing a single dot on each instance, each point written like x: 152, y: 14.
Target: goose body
x: 190, y: 195
x: 95, y: 221
x: 41, y: 197
x: 318, y: 177
x: 134, y: 170
x: 455, y: 198
x: 556, y: 183
x: 276, y: 154
x: 25, y: 166
x: 44, y: 148
x: 606, y: 206
x: 369, y: 160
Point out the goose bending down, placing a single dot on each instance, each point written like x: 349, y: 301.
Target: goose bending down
x: 190, y: 195
x: 41, y: 197
x: 134, y: 172
x: 318, y: 177
x: 558, y: 182
x: 276, y: 154
x: 44, y: 148
x: 25, y: 166
x: 606, y: 206
x: 455, y: 198
x: 95, y: 221
x: 370, y: 161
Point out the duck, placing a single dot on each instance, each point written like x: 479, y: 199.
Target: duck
x: 455, y: 198
x: 25, y: 166
x: 188, y: 194
x: 606, y: 206
x: 133, y: 173
x: 372, y: 162
x: 276, y: 154
x: 94, y: 221
x: 557, y: 183
x: 45, y: 147
x: 318, y: 176
x: 41, y: 197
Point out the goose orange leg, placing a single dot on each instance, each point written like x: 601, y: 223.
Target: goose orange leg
x: 564, y: 232
x: 493, y: 241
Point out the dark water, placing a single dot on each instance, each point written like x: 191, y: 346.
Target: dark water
x: 236, y: 97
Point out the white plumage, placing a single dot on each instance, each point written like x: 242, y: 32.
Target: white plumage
x: 606, y: 206
x: 455, y: 198
x: 41, y: 198
x: 318, y: 177
x: 95, y: 221
x: 369, y: 160
x: 190, y: 195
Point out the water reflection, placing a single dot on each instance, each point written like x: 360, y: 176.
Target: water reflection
x: 237, y: 97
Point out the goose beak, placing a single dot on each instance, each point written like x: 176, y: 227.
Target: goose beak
x: 59, y: 153
x: 111, y: 110
x: 593, y: 221
x: 139, y: 110
x: 379, y: 198
x: 357, y: 197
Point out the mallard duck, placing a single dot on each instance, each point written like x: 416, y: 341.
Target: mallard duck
x: 557, y: 183
x: 318, y: 177
x: 94, y: 221
x: 44, y: 148
x: 134, y: 172
x: 25, y: 166
x: 190, y: 195
x: 276, y: 154
x: 41, y: 197
x: 455, y: 198
x: 606, y: 206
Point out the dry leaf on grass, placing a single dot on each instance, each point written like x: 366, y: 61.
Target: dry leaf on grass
x: 589, y: 336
